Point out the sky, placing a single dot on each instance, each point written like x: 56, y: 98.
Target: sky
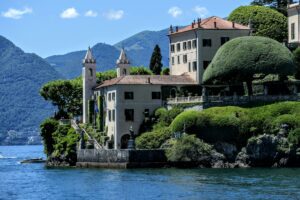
x: 54, y: 27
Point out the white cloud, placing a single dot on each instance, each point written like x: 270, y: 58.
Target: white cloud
x: 114, y: 14
x: 201, y: 11
x: 69, y: 13
x: 175, y: 11
x: 16, y: 14
x: 91, y: 13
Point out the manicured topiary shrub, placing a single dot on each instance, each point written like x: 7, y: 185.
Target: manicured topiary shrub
x: 165, y: 117
x: 265, y: 21
x: 241, y: 58
x: 154, y: 139
x: 188, y: 149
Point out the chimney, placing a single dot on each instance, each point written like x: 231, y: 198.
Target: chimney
x: 192, y: 24
x: 171, y: 29
x: 199, y: 22
x: 148, y: 80
x: 176, y: 28
x: 215, y: 22
x: 233, y: 24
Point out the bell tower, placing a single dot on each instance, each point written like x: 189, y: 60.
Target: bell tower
x: 89, y: 81
x: 123, y: 64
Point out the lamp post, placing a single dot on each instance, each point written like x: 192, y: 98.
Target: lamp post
x: 131, y: 144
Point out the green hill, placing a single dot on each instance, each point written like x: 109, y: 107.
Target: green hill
x: 21, y: 107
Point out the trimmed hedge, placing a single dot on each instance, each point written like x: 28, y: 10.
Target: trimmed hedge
x: 154, y: 139
x: 239, y: 59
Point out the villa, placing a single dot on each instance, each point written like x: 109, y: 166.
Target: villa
x: 126, y: 100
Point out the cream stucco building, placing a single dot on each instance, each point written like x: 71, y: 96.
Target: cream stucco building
x: 128, y: 99
x: 294, y: 23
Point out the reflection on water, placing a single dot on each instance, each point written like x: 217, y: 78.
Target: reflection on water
x: 33, y: 181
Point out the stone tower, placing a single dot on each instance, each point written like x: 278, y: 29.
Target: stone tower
x: 89, y: 81
x: 293, y: 22
x: 123, y: 64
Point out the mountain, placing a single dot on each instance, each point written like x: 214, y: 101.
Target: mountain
x: 21, y: 107
x: 138, y: 47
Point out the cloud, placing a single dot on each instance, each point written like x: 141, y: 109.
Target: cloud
x: 114, y: 14
x: 175, y: 11
x: 69, y: 13
x: 201, y: 11
x: 91, y: 13
x: 16, y: 14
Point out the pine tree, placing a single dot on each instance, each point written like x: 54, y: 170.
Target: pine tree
x: 155, y: 62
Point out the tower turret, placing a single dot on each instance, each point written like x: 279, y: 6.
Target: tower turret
x: 123, y: 64
x: 89, y: 81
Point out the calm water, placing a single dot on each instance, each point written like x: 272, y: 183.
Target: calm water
x: 33, y: 181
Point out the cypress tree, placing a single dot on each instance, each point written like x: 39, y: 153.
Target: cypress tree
x: 155, y: 62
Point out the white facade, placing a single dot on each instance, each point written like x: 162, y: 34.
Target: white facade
x: 293, y: 23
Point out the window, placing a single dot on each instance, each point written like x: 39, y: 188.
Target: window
x: 194, y: 44
x: 194, y: 66
x: 205, y: 64
x: 293, y: 31
x: 128, y: 95
x: 113, y: 96
x: 207, y: 42
x: 172, y: 48
x: 190, y: 67
x: 184, y: 58
x: 178, y: 59
x: 109, y: 115
x: 91, y: 72
x: 109, y: 96
x: 189, y: 44
x: 184, y: 46
x: 173, y: 61
x: 178, y: 46
x: 155, y: 95
x: 129, y: 114
x: 224, y: 40
x: 113, y: 115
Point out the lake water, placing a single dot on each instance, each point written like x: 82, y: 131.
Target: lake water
x: 34, y: 181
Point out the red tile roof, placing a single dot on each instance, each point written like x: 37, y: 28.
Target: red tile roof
x: 209, y: 23
x: 144, y: 80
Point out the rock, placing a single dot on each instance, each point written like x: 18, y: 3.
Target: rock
x: 242, y: 159
x: 60, y: 161
x: 229, y: 150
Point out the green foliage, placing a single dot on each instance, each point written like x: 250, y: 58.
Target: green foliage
x: 165, y: 117
x: 236, y: 125
x: 279, y: 5
x: 297, y: 62
x: 65, y: 94
x: 48, y: 127
x: 166, y: 71
x: 249, y: 56
x: 106, y: 75
x: 188, y: 149
x: 140, y: 71
x: 100, y: 114
x: 154, y: 139
x: 294, y: 137
x: 266, y: 22
x: 155, y: 62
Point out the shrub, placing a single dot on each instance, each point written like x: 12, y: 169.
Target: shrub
x: 165, y: 117
x: 165, y: 71
x: 153, y: 140
x: 48, y: 127
x: 294, y: 136
x: 188, y: 148
x: 265, y: 21
x: 297, y: 62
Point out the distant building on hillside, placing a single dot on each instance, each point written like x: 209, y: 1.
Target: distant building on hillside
x: 124, y: 102
x: 192, y: 48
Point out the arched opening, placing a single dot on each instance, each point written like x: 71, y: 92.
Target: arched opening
x: 124, y: 141
x: 124, y: 71
x: 91, y: 72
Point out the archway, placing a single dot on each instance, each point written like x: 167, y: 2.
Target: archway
x: 124, y: 141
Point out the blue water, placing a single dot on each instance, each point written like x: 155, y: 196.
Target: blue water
x: 34, y: 181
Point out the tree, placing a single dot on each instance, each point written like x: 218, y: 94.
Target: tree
x: 297, y: 62
x: 166, y: 71
x: 65, y: 94
x: 155, y: 62
x: 107, y: 75
x: 279, y: 5
x: 265, y: 21
x: 140, y: 71
x: 241, y: 59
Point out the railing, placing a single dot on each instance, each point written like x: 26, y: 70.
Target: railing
x: 232, y: 99
x: 90, y: 138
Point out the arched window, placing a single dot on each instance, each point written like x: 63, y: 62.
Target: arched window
x: 91, y: 72
x: 124, y: 72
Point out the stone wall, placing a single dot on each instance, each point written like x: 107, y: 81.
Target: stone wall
x: 120, y: 158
